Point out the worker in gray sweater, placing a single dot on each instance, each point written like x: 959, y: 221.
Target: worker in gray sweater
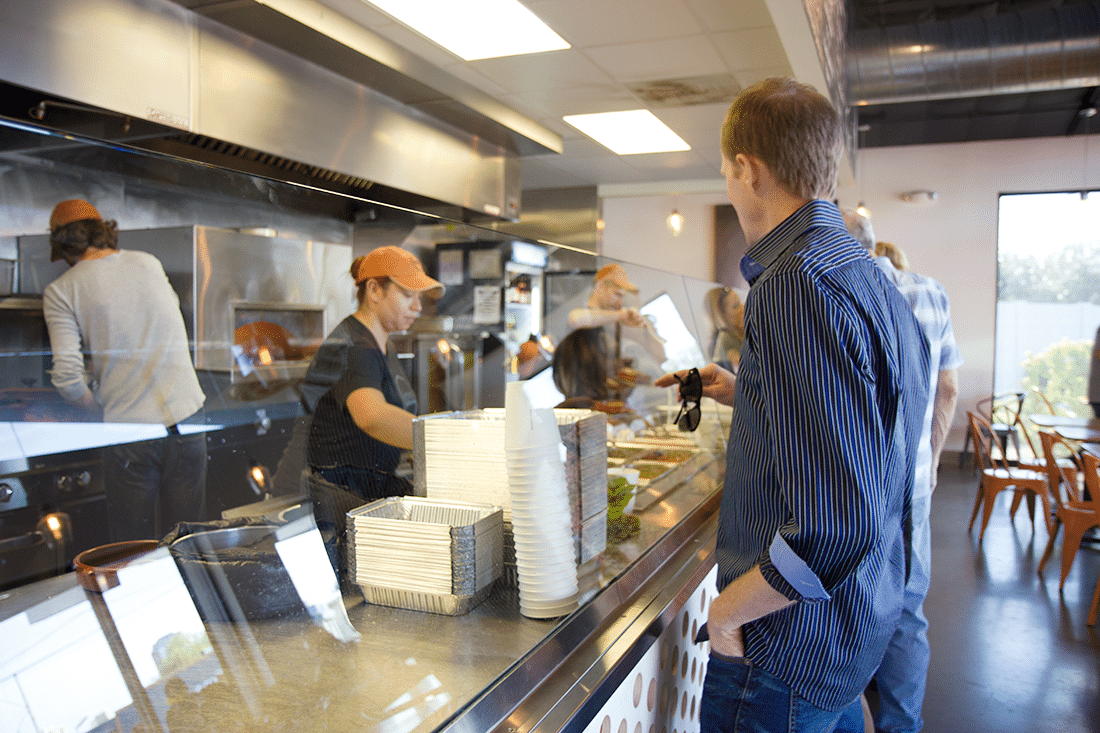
x: 118, y: 307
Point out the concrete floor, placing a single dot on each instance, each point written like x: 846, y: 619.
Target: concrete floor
x: 1009, y: 652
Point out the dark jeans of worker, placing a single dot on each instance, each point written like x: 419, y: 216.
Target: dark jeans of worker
x: 152, y: 484
x: 366, y: 483
x: 741, y: 698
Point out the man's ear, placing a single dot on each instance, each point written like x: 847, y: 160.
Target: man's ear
x: 752, y: 169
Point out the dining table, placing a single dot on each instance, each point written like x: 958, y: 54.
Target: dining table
x: 1043, y: 420
x: 1084, y: 430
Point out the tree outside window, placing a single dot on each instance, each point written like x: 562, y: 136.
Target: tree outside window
x: 1048, y: 298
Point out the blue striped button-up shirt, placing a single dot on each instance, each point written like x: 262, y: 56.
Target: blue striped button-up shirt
x: 932, y: 308
x: 830, y: 396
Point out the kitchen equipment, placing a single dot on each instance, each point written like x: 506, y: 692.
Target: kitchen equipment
x: 226, y: 279
x: 24, y: 353
x: 235, y: 574
x: 67, y: 486
x: 97, y: 568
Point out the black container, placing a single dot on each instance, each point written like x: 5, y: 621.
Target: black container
x: 235, y: 574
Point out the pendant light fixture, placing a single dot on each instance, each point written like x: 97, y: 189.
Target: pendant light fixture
x: 675, y: 222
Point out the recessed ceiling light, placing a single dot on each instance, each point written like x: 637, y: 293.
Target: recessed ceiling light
x: 476, y: 29
x: 630, y: 132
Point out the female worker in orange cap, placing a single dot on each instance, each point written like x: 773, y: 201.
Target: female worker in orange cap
x: 362, y: 403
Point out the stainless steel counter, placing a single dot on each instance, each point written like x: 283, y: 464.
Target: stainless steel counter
x: 491, y: 669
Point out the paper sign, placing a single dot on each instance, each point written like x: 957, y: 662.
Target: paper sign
x: 486, y: 304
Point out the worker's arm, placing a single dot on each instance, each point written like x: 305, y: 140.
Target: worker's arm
x: 379, y: 419
x: 593, y: 317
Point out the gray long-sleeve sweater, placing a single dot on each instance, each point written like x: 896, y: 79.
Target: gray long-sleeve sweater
x: 124, y: 312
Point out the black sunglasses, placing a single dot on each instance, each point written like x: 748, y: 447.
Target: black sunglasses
x: 691, y: 391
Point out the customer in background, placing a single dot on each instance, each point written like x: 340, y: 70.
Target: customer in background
x: 827, y: 413
x: 1094, y: 375
x: 361, y: 399
x: 891, y: 252
x: 728, y: 316
x: 580, y: 368
x: 903, y: 673
x: 118, y: 307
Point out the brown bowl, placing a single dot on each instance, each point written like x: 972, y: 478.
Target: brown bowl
x: 97, y: 568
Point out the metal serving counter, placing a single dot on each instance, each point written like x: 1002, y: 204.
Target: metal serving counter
x: 489, y: 670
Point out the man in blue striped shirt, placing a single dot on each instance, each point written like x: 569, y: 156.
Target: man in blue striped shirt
x: 827, y: 413
x: 902, y: 676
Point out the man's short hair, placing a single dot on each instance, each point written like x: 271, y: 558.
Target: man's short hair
x: 859, y: 226
x: 792, y: 129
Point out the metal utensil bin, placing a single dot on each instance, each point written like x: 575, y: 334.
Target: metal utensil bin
x: 425, y: 555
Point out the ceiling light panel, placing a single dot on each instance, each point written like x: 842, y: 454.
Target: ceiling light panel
x: 476, y: 29
x: 629, y: 133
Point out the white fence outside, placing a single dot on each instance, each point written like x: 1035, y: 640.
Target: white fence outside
x: 1025, y: 329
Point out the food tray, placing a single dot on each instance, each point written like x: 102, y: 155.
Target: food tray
x: 424, y: 554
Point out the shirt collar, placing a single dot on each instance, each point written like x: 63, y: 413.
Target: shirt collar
x: 779, y: 241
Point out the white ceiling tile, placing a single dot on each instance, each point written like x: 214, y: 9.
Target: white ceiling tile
x: 471, y: 76
x: 361, y: 12
x: 724, y: 15
x: 707, y: 117
x: 585, y: 99
x: 588, y: 23
x: 751, y: 49
x: 666, y: 59
x: 536, y: 173
x: 624, y: 42
x: 411, y: 40
x: 611, y: 169
x: 678, y: 161
x: 550, y: 70
x: 751, y: 76
x: 583, y: 146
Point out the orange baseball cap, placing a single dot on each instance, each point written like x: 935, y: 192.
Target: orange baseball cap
x: 617, y: 275
x: 398, y: 265
x: 72, y: 210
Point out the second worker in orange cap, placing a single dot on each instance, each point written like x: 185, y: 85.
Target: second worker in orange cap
x: 362, y: 402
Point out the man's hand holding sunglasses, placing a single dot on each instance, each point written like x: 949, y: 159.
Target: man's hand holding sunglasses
x: 716, y: 382
x: 711, y: 381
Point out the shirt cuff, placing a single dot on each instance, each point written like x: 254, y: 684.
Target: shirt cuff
x: 795, y: 571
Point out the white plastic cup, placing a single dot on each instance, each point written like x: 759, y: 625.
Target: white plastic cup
x: 524, y: 425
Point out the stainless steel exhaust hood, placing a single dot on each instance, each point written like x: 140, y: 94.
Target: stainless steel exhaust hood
x: 169, y: 80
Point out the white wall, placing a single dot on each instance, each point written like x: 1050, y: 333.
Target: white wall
x: 952, y: 239
x: 635, y: 231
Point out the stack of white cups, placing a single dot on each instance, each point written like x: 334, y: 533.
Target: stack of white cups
x: 545, y: 559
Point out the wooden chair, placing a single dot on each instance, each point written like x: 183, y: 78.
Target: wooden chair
x: 1091, y: 465
x: 1071, y: 512
x: 1040, y: 461
x: 1002, y: 412
x: 997, y: 476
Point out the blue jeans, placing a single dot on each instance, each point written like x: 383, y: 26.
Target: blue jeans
x: 903, y: 674
x: 153, y: 484
x: 741, y: 698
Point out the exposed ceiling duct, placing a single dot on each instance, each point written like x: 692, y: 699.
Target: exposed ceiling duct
x: 1038, y: 50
